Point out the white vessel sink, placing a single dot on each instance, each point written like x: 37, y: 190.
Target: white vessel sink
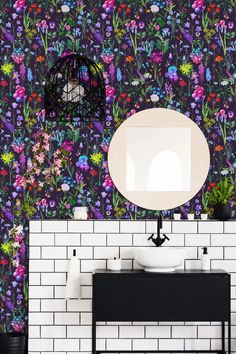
x: 160, y: 259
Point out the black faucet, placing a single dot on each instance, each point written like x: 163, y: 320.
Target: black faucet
x: 158, y: 241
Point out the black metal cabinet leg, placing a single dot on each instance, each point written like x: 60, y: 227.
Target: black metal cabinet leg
x: 93, y: 337
x: 223, y: 336
x: 229, y: 336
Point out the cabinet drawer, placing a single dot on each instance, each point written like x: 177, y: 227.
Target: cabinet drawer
x: 161, y: 298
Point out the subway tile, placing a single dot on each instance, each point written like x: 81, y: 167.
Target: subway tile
x: 230, y: 252
x: 59, y: 291
x: 171, y: 344
x: 63, y: 318
x: 40, y: 292
x: 106, y: 226
x: 36, y: 265
x: 197, y: 344
x: 209, y: 332
x: 223, y: 240
x: 34, y: 331
x: 191, y: 252
x: 54, y: 305
x: 34, y: 305
x: 54, y: 226
x: 61, y: 265
x: 41, y: 239
x: 158, y: 331
x: 144, y: 344
x: 210, y: 227
x: 118, y: 344
x: 93, y: 239
x: 34, y: 252
x: 67, y: 239
x: 141, y: 240
x: 127, y: 252
x: 131, y: 332
x: 54, y: 252
x: 53, y: 331
x: 80, y: 226
x: 34, y: 279
x: 35, y: 226
x: 79, y: 331
x: 106, y: 252
x: 53, y: 278
x: 39, y: 318
x: 86, y: 345
x: 86, y: 292
x: 184, y: 332
x: 66, y: 344
x: 108, y: 332
x: 119, y: 240
x: 132, y: 226
x: 230, y: 227
x: 86, y: 318
x: 197, y: 240
x: 41, y: 344
x: 79, y: 305
x: 181, y: 227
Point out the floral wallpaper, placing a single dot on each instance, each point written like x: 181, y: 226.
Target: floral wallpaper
x: 174, y: 54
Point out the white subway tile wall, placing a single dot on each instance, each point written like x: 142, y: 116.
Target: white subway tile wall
x: 64, y: 327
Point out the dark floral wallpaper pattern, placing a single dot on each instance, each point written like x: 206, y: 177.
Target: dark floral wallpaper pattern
x: 153, y: 53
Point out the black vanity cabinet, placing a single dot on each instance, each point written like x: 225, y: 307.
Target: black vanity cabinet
x: 191, y: 295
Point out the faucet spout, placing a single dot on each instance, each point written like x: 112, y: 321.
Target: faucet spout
x: 158, y: 241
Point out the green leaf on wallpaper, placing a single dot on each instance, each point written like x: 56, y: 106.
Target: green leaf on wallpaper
x: 77, y: 135
x: 69, y: 134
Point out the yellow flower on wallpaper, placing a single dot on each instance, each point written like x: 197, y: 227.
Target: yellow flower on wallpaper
x: 186, y: 69
x: 96, y: 158
x: 7, y: 68
x: 6, y: 248
x: 7, y: 158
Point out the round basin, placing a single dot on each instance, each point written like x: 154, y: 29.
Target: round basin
x: 160, y: 259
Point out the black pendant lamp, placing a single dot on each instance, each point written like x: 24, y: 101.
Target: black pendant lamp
x: 75, y: 90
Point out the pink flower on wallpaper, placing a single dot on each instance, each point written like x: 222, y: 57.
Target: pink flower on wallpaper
x: 20, y: 181
x: 20, y: 94
x: 18, y: 57
x: 67, y: 145
x: 107, y: 58
x: 157, y: 57
x: 108, y: 184
x: 18, y: 326
x: 198, y: 94
x: 109, y: 5
x: 20, y: 271
x: 110, y: 92
x: 19, y: 5
x: 198, y: 5
x: 18, y: 147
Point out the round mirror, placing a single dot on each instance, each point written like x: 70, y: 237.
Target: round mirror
x: 158, y: 159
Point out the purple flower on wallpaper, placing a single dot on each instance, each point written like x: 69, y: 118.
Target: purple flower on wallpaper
x: 82, y: 163
x: 172, y: 73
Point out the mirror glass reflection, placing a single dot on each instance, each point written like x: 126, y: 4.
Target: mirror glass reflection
x: 158, y: 159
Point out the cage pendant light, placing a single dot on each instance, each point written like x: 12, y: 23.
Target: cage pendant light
x: 75, y: 90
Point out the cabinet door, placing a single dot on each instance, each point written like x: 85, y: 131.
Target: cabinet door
x: 160, y: 298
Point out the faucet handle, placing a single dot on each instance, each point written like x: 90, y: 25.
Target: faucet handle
x: 166, y: 237
x: 151, y: 237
